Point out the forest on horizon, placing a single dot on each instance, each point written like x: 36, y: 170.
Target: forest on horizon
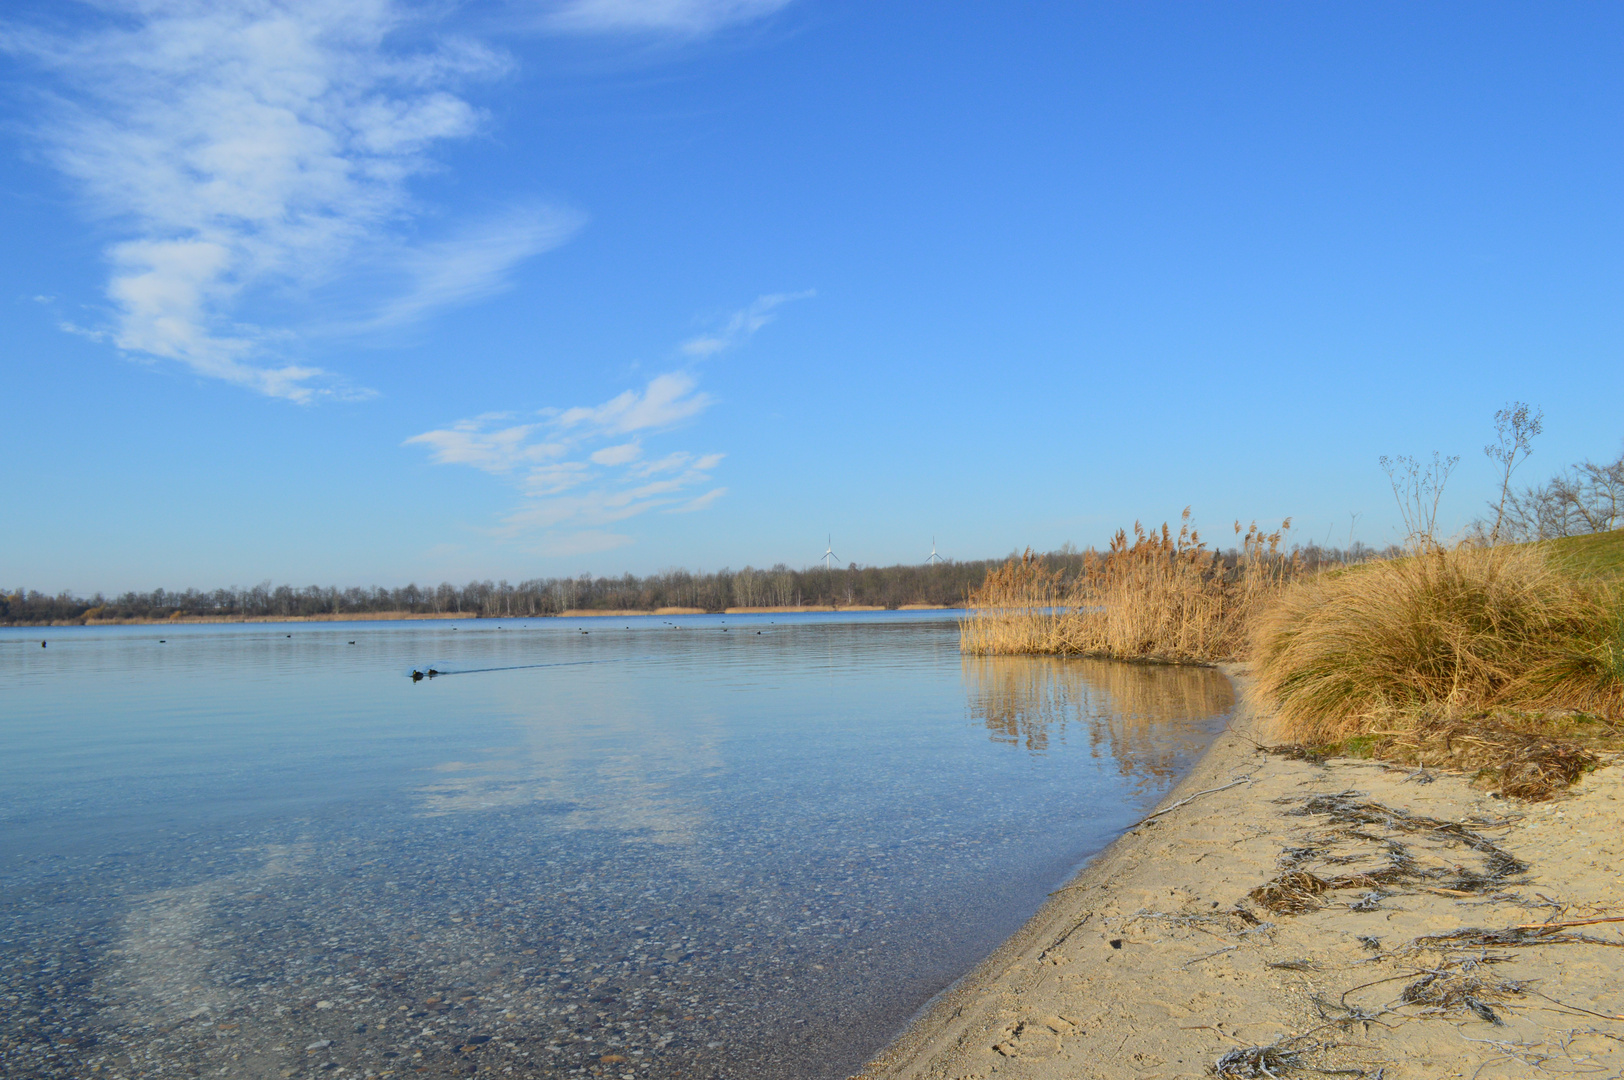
x: 947, y: 583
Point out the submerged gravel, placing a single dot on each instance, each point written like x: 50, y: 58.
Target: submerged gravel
x: 747, y: 917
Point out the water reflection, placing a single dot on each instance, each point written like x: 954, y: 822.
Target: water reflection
x: 1149, y: 718
x: 619, y: 773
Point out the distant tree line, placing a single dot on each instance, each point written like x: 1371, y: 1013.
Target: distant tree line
x: 946, y: 583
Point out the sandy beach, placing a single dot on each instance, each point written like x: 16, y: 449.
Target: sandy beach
x: 1460, y: 936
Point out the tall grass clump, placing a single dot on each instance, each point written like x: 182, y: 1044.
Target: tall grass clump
x: 1159, y: 596
x: 1464, y: 628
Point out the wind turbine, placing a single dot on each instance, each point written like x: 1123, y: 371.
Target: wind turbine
x: 934, y: 558
x: 829, y: 556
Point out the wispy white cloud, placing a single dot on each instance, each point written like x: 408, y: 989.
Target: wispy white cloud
x: 623, y: 454
x: 474, y: 264
x: 742, y: 324
x: 689, y: 18
x: 479, y: 443
x: 583, y: 469
x: 668, y: 399
x: 700, y: 503
x: 246, y: 147
x: 575, y: 468
x: 679, y: 460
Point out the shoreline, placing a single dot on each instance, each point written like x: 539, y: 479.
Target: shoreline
x: 1157, y: 958
x: 405, y: 616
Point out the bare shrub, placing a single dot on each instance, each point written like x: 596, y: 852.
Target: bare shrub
x: 1584, y: 498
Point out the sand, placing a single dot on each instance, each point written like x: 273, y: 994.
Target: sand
x: 1155, y: 962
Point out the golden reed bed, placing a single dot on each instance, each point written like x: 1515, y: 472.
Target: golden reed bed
x: 1161, y: 597
x: 1501, y: 660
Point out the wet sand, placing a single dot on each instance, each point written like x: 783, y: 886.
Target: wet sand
x: 1489, y: 945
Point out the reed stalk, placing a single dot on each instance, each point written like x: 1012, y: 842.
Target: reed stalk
x: 1159, y: 596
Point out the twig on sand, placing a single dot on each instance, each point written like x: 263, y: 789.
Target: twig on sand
x: 1210, y: 955
x: 1575, y: 1008
x: 1572, y: 922
x: 1192, y: 798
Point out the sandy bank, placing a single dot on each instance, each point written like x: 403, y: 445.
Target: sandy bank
x: 1156, y: 960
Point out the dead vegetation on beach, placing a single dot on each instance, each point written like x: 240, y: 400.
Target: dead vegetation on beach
x: 1374, y: 850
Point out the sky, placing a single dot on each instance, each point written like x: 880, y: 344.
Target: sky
x: 378, y: 291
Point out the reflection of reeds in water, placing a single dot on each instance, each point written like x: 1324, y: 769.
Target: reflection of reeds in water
x: 1150, y: 719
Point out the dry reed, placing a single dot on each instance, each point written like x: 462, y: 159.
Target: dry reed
x: 1344, y: 653
x: 1161, y: 597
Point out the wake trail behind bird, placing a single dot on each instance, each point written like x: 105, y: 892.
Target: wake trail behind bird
x: 432, y: 672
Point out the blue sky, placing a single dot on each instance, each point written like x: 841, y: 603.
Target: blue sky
x: 371, y: 291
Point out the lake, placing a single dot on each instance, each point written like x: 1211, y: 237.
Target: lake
x: 704, y: 846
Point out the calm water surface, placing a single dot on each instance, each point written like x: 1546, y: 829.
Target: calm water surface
x: 749, y: 846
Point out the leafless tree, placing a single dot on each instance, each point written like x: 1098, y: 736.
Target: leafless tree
x: 1584, y: 498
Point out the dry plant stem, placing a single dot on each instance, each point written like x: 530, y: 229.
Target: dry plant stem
x: 1190, y: 799
x: 1575, y: 922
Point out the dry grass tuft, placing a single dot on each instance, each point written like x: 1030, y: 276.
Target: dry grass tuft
x: 1292, y: 893
x: 1463, y: 628
x: 1159, y: 597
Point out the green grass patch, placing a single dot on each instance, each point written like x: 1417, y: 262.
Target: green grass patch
x: 1359, y: 746
x: 1597, y: 553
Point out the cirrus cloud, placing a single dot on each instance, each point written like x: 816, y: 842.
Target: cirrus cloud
x: 689, y: 18
x: 584, y: 468
x: 251, y: 150
x: 575, y: 467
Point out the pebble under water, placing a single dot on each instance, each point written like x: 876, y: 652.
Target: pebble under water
x: 650, y: 850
